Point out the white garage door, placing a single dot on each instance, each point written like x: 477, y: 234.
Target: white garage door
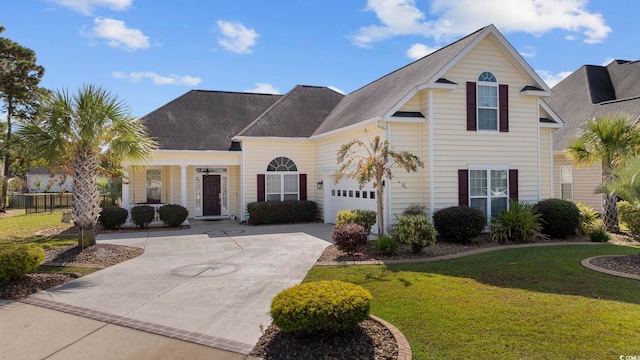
x: 346, y: 195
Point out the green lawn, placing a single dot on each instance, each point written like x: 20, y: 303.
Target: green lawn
x: 21, y: 228
x: 530, y: 303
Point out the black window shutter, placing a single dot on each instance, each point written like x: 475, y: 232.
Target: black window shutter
x: 261, y: 187
x: 463, y: 187
x: 503, y: 99
x: 302, y: 182
x: 471, y: 106
x: 513, y: 184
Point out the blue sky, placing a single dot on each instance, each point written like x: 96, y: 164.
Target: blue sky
x: 150, y: 52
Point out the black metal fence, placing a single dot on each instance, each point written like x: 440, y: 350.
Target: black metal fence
x: 41, y: 202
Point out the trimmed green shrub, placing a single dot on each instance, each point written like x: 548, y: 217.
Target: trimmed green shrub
x: 346, y: 216
x: 413, y: 209
x: 112, y: 217
x: 320, y: 306
x: 559, y: 218
x: 518, y: 224
x: 173, y: 215
x: 459, y: 223
x: 417, y: 231
x: 282, y: 212
x: 349, y: 237
x: 385, y: 245
x: 18, y: 260
x: 365, y: 218
x: 599, y: 235
x: 142, y: 215
x: 588, y: 218
x: 630, y: 216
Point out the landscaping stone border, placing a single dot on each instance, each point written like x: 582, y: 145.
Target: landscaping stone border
x: 587, y: 263
x: 404, y: 349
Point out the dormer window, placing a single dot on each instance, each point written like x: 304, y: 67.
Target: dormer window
x: 487, y: 102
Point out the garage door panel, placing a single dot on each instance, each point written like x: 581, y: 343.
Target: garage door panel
x: 346, y: 195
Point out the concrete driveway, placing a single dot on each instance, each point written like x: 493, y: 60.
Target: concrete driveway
x: 211, y: 285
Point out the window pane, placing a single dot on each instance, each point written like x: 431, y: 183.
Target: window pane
x: 154, y: 185
x: 498, y: 205
x: 566, y: 191
x: 290, y: 197
x: 273, y: 184
x: 487, y: 96
x: 273, y: 197
x: 487, y: 119
x: 480, y: 204
x: 478, y: 182
x: 291, y: 183
x: 498, y: 183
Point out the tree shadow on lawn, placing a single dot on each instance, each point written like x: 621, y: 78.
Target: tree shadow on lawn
x: 554, y: 270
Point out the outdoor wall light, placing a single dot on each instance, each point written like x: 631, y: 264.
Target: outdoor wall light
x: 319, y: 185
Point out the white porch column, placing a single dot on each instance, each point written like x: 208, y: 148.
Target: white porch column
x: 125, y: 188
x: 183, y: 185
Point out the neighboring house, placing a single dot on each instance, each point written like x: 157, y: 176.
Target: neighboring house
x: 472, y: 111
x: 41, y: 180
x: 589, y: 92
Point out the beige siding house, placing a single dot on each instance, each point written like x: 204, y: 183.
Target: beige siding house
x: 589, y: 92
x: 472, y: 111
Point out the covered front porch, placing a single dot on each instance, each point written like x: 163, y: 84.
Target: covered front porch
x: 208, y: 189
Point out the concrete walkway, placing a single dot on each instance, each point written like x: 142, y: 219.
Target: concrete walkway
x: 210, y: 285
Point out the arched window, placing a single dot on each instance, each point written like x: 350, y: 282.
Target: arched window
x: 282, y: 180
x: 487, y: 101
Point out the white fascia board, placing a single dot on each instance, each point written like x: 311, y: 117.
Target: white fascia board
x: 400, y: 119
x: 438, y: 86
x: 506, y: 45
x: 549, y: 125
x: 538, y: 93
x: 551, y: 113
x: 272, y: 138
x: 190, y: 152
x: 400, y: 103
x: 347, y: 128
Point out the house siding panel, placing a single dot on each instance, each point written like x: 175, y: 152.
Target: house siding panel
x: 405, y: 186
x: 413, y: 104
x: 584, y: 181
x: 545, y: 163
x: 456, y: 148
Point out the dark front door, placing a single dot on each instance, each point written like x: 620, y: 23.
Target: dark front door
x: 211, y: 195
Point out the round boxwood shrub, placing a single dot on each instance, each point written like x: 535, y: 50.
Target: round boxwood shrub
x: 142, y: 215
x: 599, y: 235
x: 349, y: 237
x: 18, y: 260
x: 417, y: 231
x: 173, y: 215
x: 320, y: 306
x: 630, y: 215
x: 559, y: 218
x: 112, y: 217
x: 459, y: 224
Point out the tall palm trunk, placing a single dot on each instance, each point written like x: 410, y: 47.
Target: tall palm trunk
x: 380, y: 206
x: 610, y: 213
x: 86, y: 198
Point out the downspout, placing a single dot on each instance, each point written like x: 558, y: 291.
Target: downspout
x: 538, y: 158
x: 553, y: 181
x: 420, y: 168
x: 387, y: 220
x: 242, y: 203
x: 432, y: 187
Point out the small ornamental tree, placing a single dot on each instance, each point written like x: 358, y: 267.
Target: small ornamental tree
x: 374, y: 164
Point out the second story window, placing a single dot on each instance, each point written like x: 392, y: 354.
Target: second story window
x: 487, y: 102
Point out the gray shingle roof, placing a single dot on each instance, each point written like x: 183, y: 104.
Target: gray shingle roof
x: 378, y: 97
x: 592, y: 91
x: 205, y: 120
x: 296, y: 114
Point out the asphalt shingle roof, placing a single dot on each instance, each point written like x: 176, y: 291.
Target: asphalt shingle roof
x: 593, y: 91
x: 205, y: 120
x: 297, y: 114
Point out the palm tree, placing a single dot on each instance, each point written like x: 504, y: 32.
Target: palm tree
x: 607, y: 140
x: 82, y: 130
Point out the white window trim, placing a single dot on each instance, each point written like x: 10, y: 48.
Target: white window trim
x: 282, y: 192
x: 147, y: 184
x: 488, y: 168
x: 562, y: 183
x: 497, y: 107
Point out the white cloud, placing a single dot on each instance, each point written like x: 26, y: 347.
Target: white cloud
x: 450, y: 18
x: 118, y: 35
x: 417, y: 51
x: 553, y: 79
x: 87, y: 6
x: 337, y: 90
x: 157, y: 79
x: 607, y: 61
x: 236, y: 37
x: 264, y: 88
x: 529, y: 51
